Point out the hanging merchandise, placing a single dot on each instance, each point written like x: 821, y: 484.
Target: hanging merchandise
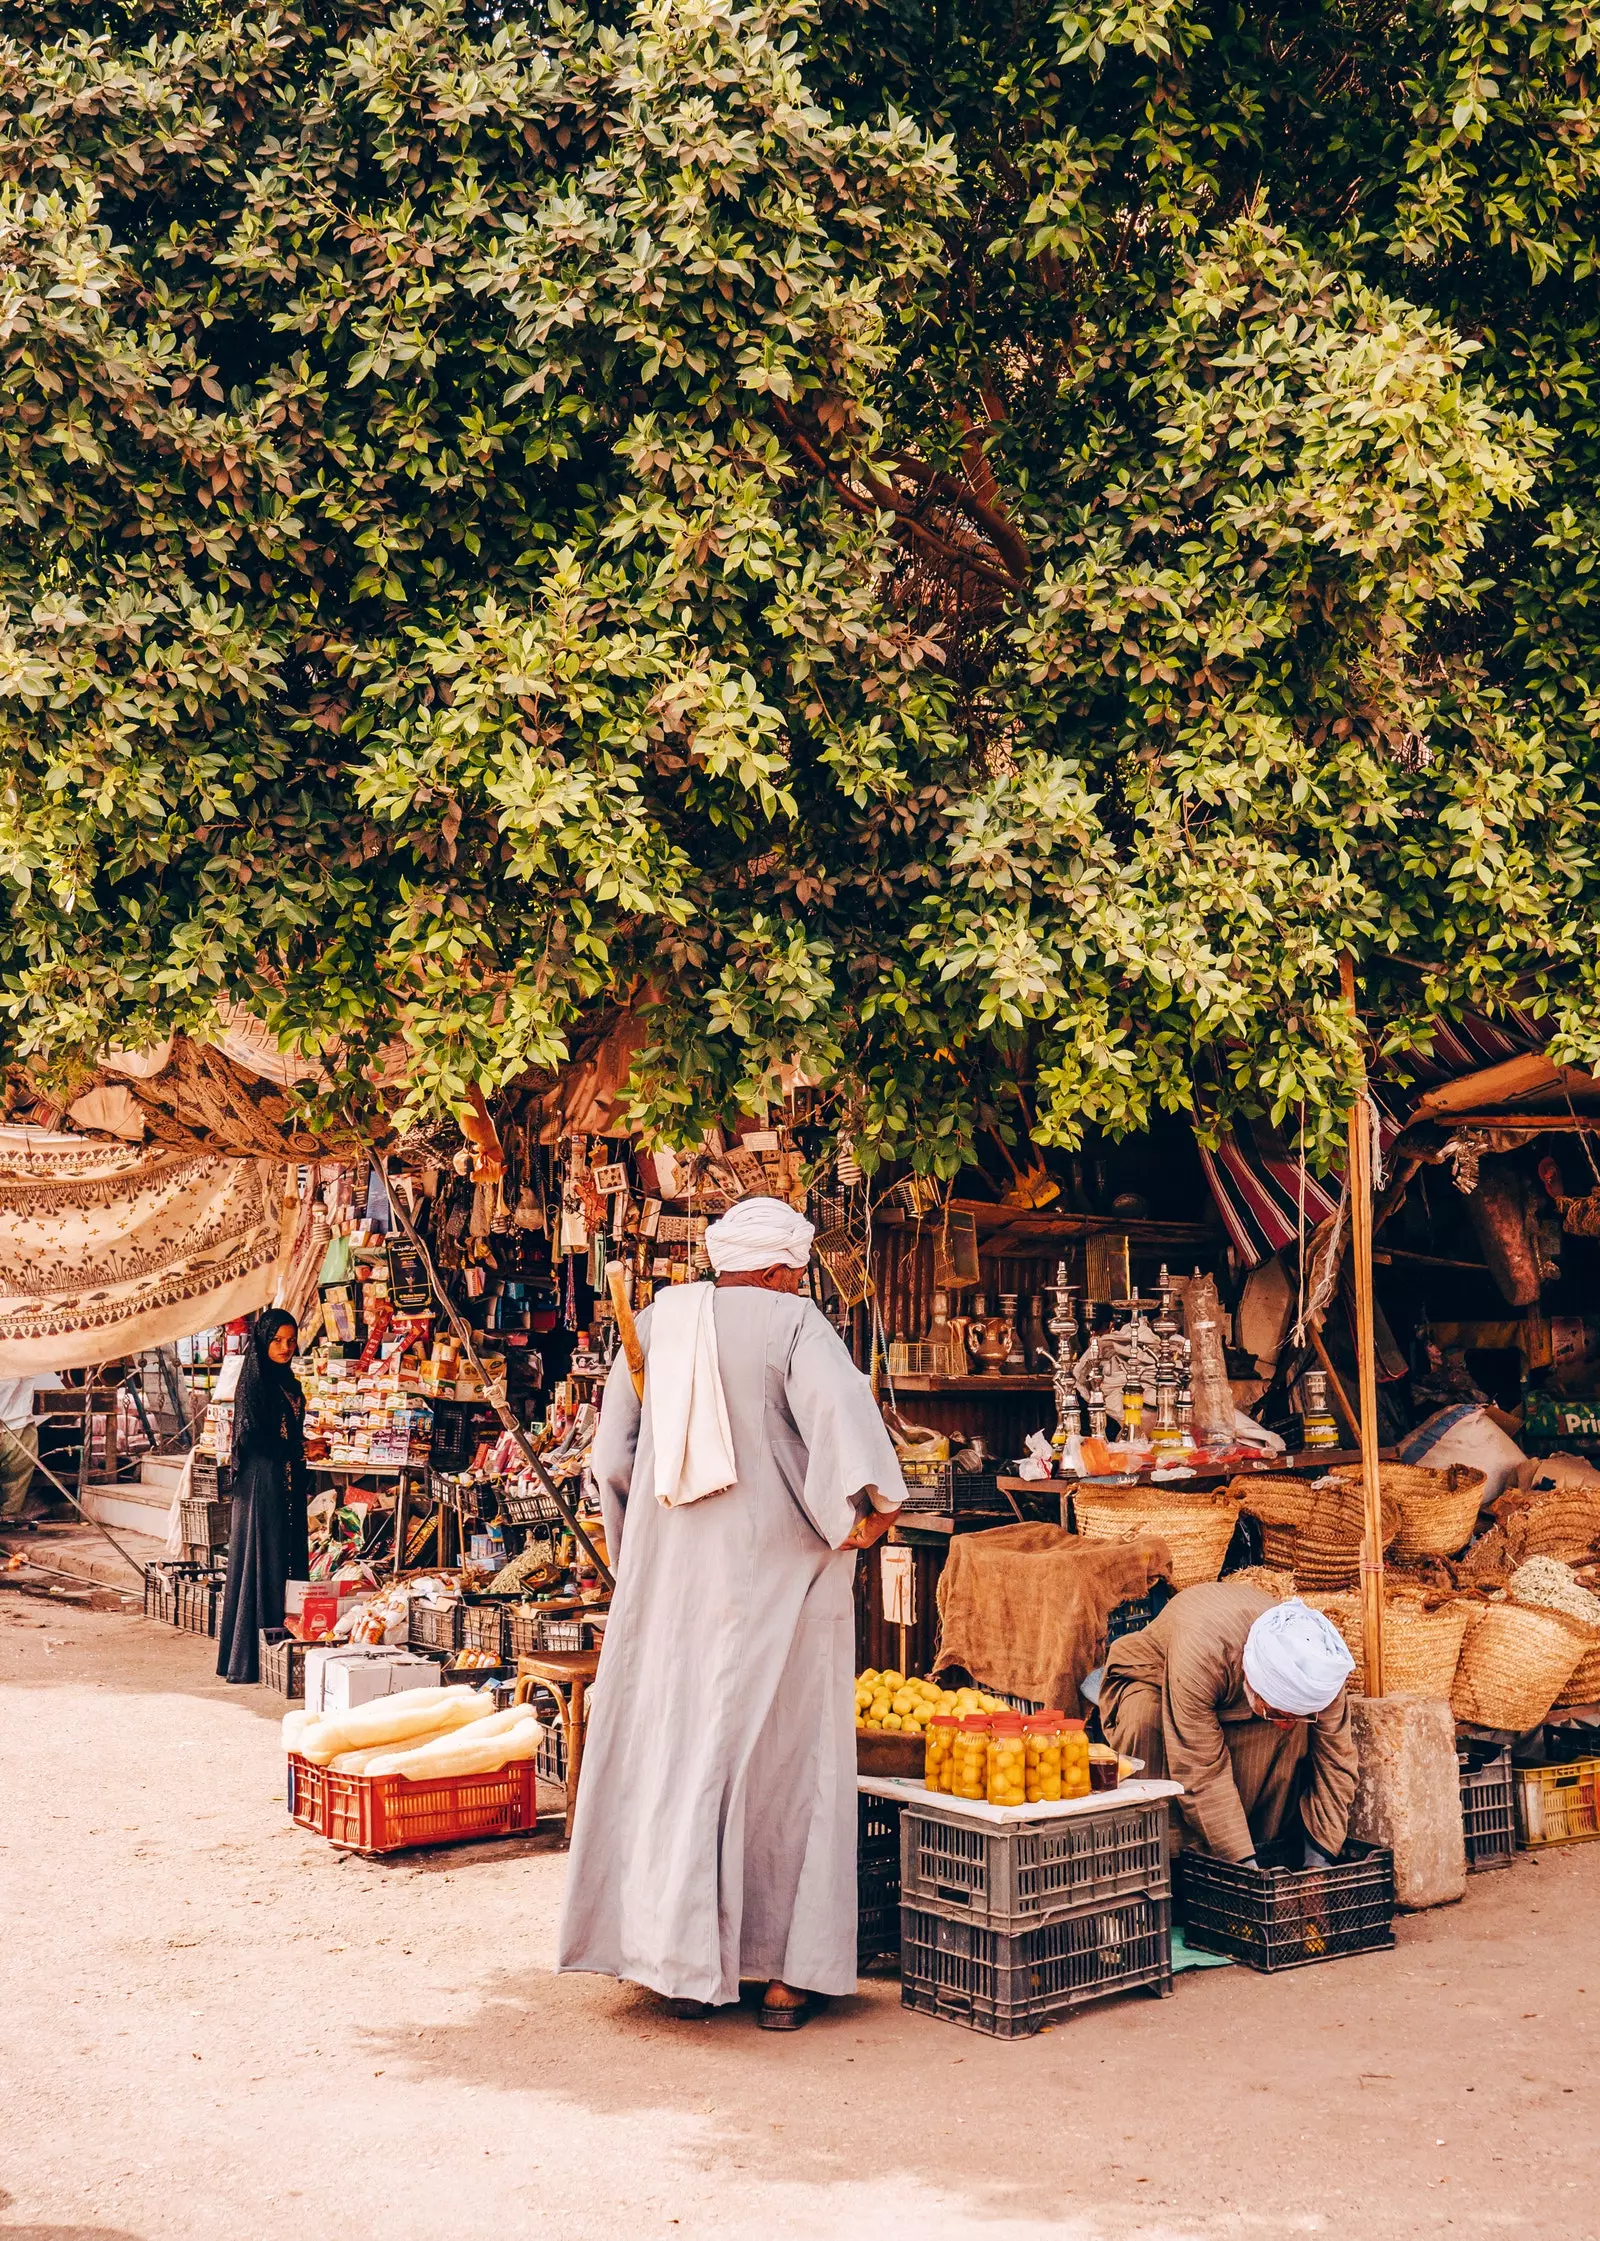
x: 408, y: 1280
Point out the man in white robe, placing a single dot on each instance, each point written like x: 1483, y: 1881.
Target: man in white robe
x: 715, y: 1835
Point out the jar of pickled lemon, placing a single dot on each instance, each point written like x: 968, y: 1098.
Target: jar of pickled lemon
x: 1008, y: 1760
x: 969, y: 1758
x: 936, y: 1748
x: 1075, y: 1780
x: 1041, y: 1744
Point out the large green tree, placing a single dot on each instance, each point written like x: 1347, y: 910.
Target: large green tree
x: 965, y: 546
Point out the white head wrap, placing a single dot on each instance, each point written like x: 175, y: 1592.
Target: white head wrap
x: 759, y: 1233
x: 1296, y: 1660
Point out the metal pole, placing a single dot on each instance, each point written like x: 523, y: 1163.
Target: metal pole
x: 1366, y: 1361
x: 61, y: 1487
x: 496, y: 1393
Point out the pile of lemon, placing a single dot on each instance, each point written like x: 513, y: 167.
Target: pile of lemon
x: 890, y: 1702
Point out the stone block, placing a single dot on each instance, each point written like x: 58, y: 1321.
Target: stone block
x: 1408, y: 1795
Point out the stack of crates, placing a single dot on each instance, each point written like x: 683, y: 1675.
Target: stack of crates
x: 1008, y: 1926
x: 877, y: 1882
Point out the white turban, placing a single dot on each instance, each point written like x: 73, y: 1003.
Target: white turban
x: 759, y: 1233
x: 1296, y: 1660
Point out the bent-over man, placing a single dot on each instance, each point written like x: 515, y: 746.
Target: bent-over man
x: 1242, y: 1700
x: 715, y: 1835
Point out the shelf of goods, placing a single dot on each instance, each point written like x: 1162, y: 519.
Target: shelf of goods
x: 366, y: 1421
x: 1013, y: 1916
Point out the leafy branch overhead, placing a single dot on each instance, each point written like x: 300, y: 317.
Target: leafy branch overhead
x: 945, y: 549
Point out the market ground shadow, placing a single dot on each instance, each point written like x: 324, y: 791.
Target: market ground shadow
x: 819, y: 2109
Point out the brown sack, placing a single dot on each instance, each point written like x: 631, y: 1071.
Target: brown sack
x: 1024, y: 1608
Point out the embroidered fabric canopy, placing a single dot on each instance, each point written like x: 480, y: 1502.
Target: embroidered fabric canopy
x: 109, y: 1247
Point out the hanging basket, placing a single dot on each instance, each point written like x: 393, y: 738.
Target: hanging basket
x: 1517, y: 1659
x: 1422, y: 1639
x: 1437, y: 1509
x: 1196, y: 1527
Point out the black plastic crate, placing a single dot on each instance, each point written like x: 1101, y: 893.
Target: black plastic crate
x: 530, y: 1633
x: 1019, y: 1874
x: 1488, y: 1808
x: 531, y: 1505
x: 160, y: 1594
x: 205, y: 1524
x: 484, y: 1626
x: 283, y: 1663
x: 433, y: 1626
x: 199, y: 1592
x: 1010, y: 1987
x: 877, y: 1881
x: 1287, y: 1918
x: 550, y: 1760
x: 1132, y: 1616
x: 977, y: 1500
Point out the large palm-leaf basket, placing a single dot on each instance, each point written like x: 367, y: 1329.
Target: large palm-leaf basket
x: 1516, y: 1661
x: 1314, y: 1531
x: 1196, y: 1527
x: 1422, y: 1638
x: 1437, y: 1509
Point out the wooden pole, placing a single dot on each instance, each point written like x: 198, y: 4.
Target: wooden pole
x: 1366, y: 1361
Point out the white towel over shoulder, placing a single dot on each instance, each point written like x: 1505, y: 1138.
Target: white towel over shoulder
x: 683, y: 1391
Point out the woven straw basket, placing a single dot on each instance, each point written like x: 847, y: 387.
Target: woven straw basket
x: 1313, y: 1531
x: 1517, y: 1659
x: 1437, y: 1509
x: 1421, y: 1640
x: 1279, y: 1585
x: 1583, y: 1687
x: 1196, y: 1527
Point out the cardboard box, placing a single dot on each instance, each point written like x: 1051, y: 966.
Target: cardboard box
x: 337, y: 1680
x: 312, y: 1610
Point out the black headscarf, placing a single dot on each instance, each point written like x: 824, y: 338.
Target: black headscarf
x: 268, y: 1403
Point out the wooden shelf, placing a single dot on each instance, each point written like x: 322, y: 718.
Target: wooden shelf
x: 1002, y: 1228
x: 977, y: 1383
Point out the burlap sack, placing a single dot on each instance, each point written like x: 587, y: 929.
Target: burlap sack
x: 1024, y: 1608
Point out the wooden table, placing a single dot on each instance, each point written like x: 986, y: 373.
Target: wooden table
x: 567, y: 1675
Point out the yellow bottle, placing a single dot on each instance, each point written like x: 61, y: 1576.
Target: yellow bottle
x: 937, y: 1746
x: 1008, y: 1759
x: 1041, y: 1740
x: 1075, y: 1780
x: 969, y: 1759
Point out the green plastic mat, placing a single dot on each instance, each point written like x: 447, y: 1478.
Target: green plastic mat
x: 1187, y: 1956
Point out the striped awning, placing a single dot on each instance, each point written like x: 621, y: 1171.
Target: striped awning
x: 1265, y: 1195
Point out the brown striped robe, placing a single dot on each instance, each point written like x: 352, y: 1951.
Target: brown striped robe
x: 1174, y: 1696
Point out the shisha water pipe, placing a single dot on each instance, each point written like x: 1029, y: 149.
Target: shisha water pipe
x: 1063, y: 1328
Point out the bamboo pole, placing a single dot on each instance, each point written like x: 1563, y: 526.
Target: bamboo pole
x: 1366, y: 1361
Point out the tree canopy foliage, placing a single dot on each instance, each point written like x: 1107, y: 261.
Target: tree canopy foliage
x: 968, y: 547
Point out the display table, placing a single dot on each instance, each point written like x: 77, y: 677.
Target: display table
x: 1142, y: 1790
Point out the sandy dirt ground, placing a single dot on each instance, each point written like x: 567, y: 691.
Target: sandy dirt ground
x: 212, y: 2026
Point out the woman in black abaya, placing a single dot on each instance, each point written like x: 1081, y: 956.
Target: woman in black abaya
x: 267, y: 1545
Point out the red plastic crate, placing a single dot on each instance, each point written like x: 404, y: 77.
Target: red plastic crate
x: 388, y: 1813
